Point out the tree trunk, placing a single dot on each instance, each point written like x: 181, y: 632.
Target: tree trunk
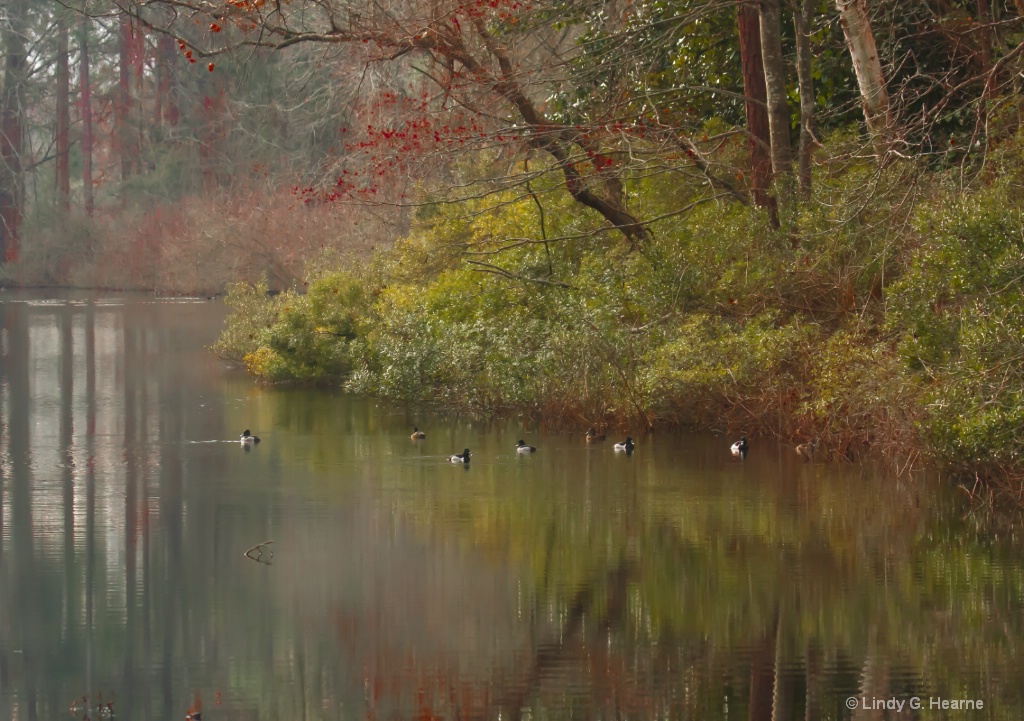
x: 12, y: 109
x: 166, y: 106
x: 756, y: 102
x: 86, y: 113
x: 138, y: 58
x: 985, y: 35
x: 805, y: 81
x: 122, y: 107
x: 868, y: 66
x: 63, y: 171
x: 775, y: 84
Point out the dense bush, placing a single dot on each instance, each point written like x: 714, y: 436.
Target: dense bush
x: 293, y: 336
x: 960, y: 310
x: 888, y: 321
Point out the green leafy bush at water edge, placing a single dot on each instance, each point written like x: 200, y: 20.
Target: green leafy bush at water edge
x: 875, y: 326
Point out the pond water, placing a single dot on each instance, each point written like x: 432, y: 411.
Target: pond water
x: 152, y: 567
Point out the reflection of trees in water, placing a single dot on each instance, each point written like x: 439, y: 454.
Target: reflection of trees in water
x: 60, y: 643
x: 633, y: 605
x: 745, y: 607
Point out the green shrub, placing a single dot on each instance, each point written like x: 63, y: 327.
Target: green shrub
x: 250, y: 313
x: 958, y: 310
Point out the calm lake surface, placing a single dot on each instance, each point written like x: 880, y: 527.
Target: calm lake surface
x: 576, y: 583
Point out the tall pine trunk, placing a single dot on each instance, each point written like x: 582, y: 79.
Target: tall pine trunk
x: 138, y: 61
x: 165, y: 100
x: 122, y: 108
x: 63, y: 170
x: 12, y: 116
x: 86, y: 112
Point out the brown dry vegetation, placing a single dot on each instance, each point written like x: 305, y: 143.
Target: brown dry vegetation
x: 197, y: 245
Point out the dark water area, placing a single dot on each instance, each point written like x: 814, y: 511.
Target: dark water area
x: 152, y: 567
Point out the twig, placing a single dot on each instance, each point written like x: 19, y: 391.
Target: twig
x: 261, y: 547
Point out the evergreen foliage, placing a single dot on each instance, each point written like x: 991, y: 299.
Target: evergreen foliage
x: 879, y: 326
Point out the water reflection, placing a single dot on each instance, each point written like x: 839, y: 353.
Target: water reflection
x: 151, y: 568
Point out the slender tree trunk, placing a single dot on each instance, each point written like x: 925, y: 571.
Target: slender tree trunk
x: 775, y: 84
x: 12, y: 109
x: 866, y: 63
x: 86, y: 112
x: 122, y: 108
x: 984, y: 18
x: 138, y: 59
x: 166, y: 106
x: 63, y: 171
x: 802, y: 15
x: 756, y: 102
x: 985, y: 38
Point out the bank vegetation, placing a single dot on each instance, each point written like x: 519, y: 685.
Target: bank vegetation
x: 795, y: 219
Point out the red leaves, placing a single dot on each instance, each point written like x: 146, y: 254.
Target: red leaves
x: 215, y: 28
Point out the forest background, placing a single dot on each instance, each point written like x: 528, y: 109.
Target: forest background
x: 790, y: 218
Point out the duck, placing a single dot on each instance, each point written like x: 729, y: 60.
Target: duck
x: 594, y: 437
x: 739, y: 448
x: 521, y: 447
x: 806, y: 450
x: 417, y: 434
x: 460, y: 458
x: 248, y: 439
x: 626, y: 446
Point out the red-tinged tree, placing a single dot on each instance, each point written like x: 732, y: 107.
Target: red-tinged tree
x: 477, y: 55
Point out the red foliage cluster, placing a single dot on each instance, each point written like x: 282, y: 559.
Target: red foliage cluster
x: 184, y: 49
x: 506, y: 9
x: 380, y: 153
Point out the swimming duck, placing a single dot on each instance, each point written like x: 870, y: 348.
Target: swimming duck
x: 417, y: 434
x: 806, y: 450
x: 626, y: 446
x: 739, y: 448
x: 460, y: 458
x: 593, y: 437
x: 248, y: 439
x: 521, y: 447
